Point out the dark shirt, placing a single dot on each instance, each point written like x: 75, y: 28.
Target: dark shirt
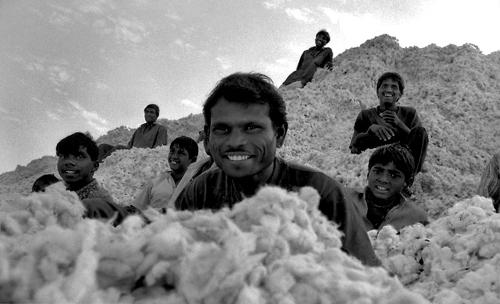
x: 99, y: 203
x: 396, y: 211
x: 310, y: 60
x: 371, y: 116
x: 215, y: 190
x: 149, y: 136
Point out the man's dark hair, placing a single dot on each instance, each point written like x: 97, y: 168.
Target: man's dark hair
x: 43, y: 181
x: 72, y: 143
x: 248, y: 88
x: 394, y: 76
x: 186, y: 143
x: 154, y: 107
x: 398, y: 154
x: 325, y: 34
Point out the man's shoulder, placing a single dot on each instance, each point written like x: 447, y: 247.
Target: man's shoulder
x: 305, y: 176
x: 407, y: 109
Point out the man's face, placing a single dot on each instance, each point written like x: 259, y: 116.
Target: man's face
x: 388, y: 93
x: 178, y: 159
x: 243, y: 140
x: 150, y: 115
x: 320, y: 41
x: 385, y: 181
x: 76, y: 170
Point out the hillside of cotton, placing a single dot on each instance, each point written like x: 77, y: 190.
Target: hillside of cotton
x: 456, y: 91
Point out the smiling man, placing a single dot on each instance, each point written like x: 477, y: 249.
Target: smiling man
x: 245, y: 119
x: 149, y: 134
x: 389, y: 123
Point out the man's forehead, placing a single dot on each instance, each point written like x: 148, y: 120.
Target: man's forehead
x: 222, y: 110
x: 390, y: 166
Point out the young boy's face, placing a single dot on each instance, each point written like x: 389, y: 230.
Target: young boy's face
x: 76, y: 170
x: 388, y: 93
x: 178, y: 159
x: 385, y: 180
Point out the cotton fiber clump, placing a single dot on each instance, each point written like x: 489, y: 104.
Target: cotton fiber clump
x: 455, y: 257
x: 275, y: 247
x: 125, y: 172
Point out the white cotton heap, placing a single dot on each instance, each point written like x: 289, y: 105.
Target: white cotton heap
x: 275, y: 247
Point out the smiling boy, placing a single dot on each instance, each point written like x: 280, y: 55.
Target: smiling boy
x: 77, y: 162
x: 389, y: 123
x: 157, y: 193
x: 390, y: 171
x: 245, y: 120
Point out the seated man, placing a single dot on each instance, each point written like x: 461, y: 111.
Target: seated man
x: 489, y: 186
x: 149, y: 134
x: 389, y: 123
x: 43, y: 182
x: 157, y: 193
x: 245, y: 121
x: 78, y: 160
x: 390, y: 170
x: 315, y: 57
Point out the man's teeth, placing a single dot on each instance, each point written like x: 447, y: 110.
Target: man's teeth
x: 381, y: 188
x: 238, y: 157
x: 69, y: 171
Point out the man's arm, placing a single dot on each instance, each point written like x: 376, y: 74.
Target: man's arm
x: 299, y: 65
x: 162, y: 138
x: 131, y: 142
x: 335, y: 206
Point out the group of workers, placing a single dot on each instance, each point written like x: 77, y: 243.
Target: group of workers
x: 245, y: 123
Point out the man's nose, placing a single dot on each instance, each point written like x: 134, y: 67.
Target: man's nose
x: 236, y: 138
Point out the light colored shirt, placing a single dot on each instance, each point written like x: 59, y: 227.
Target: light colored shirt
x: 156, y: 193
x: 149, y: 136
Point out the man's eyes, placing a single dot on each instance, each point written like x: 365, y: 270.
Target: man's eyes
x: 219, y: 130
x: 253, y: 128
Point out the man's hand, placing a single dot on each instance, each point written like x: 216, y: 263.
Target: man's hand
x: 355, y: 150
x: 382, y: 132
x: 98, y: 208
x: 391, y: 118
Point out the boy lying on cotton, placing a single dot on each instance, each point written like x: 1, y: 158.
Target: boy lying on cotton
x: 78, y: 160
x: 390, y: 171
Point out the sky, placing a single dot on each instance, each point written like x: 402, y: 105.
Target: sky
x: 71, y: 65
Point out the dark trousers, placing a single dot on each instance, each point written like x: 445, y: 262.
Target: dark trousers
x: 417, y: 141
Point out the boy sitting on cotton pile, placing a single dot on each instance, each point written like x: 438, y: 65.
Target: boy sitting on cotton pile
x: 78, y: 160
x: 390, y: 171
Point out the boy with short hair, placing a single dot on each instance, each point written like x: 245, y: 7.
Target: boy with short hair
x: 390, y: 172
x: 390, y: 123
x: 157, y: 193
x: 77, y: 163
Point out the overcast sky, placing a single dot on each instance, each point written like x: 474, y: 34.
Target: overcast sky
x: 93, y: 65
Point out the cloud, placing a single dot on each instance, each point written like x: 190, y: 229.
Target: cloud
x: 273, y: 4
x: 38, y: 100
x: 173, y: 16
x: 182, y: 44
x: 2, y: 110
x: 93, y: 119
x: 303, y: 14
x: 52, y: 115
x: 191, y: 104
x: 225, y: 63
x: 129, y: 30
x: 59, y: 75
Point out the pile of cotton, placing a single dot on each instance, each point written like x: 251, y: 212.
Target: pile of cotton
x: 455, y: 259
x: 275, y: 247
x: 125, y: 172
